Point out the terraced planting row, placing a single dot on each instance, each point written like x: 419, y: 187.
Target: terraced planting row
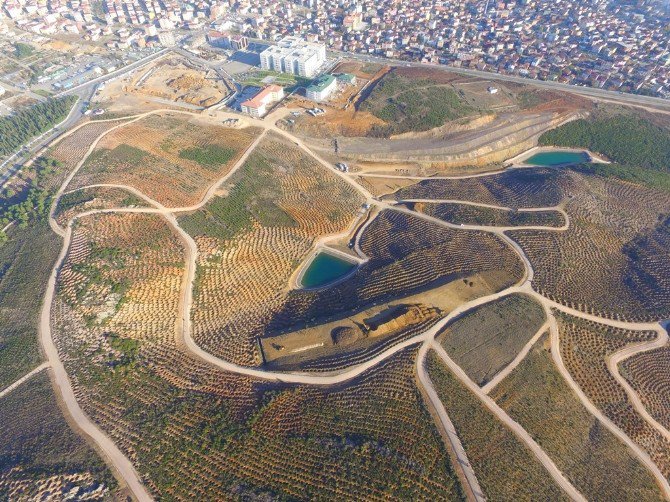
x: 649, y: 375
x: 250, y: 242
x: 196, y: 433
x: 584, y: 348
x: 613, y: 260
x: 505, y: 468
x: 88, y: 199
x: 72, y: 148
x: 513, y: 188
x: 406, y: 256
x: 41, y: 458
x: 488, y: 338
x: 465, y: 214
x: 592, y: 458
x: 173, y: 158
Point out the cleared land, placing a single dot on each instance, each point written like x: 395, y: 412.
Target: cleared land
x: 505, y: 469
x: 406, y: 256
x: 176, y: 79
x: 584, y: 347
x: 359, y: 336
x: 172, y: 158
x: 537, y: 397
x: 40, y: 456
x: 487, y: 339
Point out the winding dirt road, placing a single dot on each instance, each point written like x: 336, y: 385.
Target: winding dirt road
x: 125, y: 470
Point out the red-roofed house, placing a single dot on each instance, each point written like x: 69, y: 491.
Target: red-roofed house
x: 257, y: 106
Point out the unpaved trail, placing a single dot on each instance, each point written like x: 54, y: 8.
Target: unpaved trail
x: 23, y: 379
x: 499, y: 377
x: 119, y: 463
x: 122, y: 465
x: 503, y: 417
x: 462, y: 464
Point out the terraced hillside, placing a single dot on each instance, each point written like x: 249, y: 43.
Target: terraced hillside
x: 252, y: 240
x: 405, y: 257
x: 537, y: 397
x: 584, y: 348
x: 465, y: 214
x: 505, y: 468
x: 487, y: 339
x: 525, y: 188
x: 613, y: 259
x: 647, y: 373
x: 173, y: 158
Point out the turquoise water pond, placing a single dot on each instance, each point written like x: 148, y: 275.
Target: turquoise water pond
x: 558, y: 157
x: 324, y: 269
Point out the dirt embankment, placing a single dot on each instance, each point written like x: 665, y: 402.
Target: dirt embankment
x: 478, y: 143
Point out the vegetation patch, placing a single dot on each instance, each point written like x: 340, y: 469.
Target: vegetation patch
x: 21, y: 126
x: 591, y: 457
x: 627, y: 140
x: 252, y: 198
x: 410, y: 105
x: 505, y: 468
x: 209, y: 155
x: 487, y: 339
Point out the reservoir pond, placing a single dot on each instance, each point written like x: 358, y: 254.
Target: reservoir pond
x: 324, y: 269
x: 558, y: 158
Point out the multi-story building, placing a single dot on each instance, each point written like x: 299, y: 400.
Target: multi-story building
x: 294, y: 55
x: 321, y: 88
x: 257, y: 106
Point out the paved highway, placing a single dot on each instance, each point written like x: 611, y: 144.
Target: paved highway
x: 591, y: 92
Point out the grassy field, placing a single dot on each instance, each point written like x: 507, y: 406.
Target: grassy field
x: 505, y: 469
x: 25, y: 264
x: 287, y: 80
x: 488, y: 339
x: 592, y: 458
x: 39, y: 454
x: 409, y: 105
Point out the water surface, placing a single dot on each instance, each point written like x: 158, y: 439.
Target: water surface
x: 558, y: 157
x: 324, y: 269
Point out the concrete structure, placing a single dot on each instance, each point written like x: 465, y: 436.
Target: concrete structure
x: 346, y: 78
x: 321, y: 88
x: 257, y: 106
x: 166, y: 38
x: 294, y: 55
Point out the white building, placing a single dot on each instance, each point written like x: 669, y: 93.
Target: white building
x: 321, y: 88
x: 294, y: 55
x: 257, y: 106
